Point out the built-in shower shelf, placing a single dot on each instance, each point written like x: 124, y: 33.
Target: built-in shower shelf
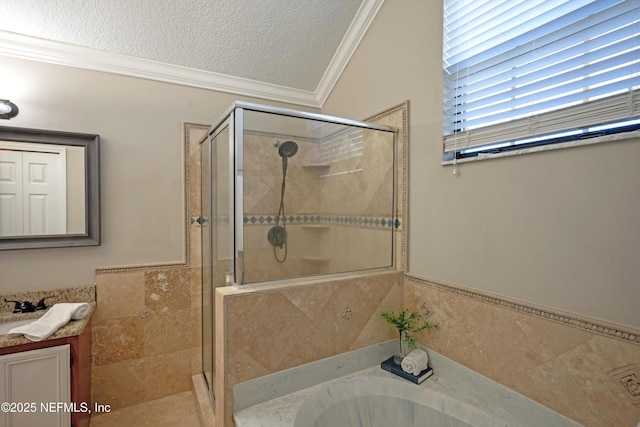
x: 316, y: 227
x: 317, y: 165
x: 315, y: 259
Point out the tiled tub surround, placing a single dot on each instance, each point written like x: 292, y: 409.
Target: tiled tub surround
x: 564, y: 367
x: 454, y: 392
x: 266, y: 330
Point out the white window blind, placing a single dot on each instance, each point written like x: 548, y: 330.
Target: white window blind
x: 523, y: 70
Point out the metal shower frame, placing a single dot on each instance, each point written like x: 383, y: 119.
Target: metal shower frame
x: 236, y: 163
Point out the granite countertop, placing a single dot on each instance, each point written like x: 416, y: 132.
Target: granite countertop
x: 73, y: 328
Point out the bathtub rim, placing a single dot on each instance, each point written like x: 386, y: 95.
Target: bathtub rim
x: 376, y: 382
x: 279, y: 408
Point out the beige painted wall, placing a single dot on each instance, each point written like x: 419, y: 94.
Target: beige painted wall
x: 140, y: 125
x: 559, y: 229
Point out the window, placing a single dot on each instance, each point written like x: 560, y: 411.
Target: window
x: 522, y: 73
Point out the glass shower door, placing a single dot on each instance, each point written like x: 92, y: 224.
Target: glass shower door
x: 217, y: 232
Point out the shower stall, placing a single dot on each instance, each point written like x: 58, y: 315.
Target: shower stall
x: 287, y: 195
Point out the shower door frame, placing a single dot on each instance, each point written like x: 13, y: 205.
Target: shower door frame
x: 213, y: 249
x: 237, y: 143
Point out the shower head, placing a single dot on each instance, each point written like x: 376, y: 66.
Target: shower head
x: 287, y: 149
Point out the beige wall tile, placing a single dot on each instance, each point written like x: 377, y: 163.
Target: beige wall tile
x: 167, y: 332
x: 167, y: 374
x: 176, y: 410
x: 116, y: 340
x: 118, y: 384
x: 272, y: 323
x: 168, y: 290
x: 376, y: 330
x: 151, y: 334
x: 562, y: 367
x: 195, y: 240
x: 118, y: 295
x: 196, y: 360
x: 275, y: 330
x: 577, y: 384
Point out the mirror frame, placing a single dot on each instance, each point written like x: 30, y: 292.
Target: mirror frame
x: 91, y: 144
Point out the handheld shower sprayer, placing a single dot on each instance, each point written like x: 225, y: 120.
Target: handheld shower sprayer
x: 277, y: 235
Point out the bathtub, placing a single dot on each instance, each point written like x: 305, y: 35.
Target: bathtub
x: 368, y: 400
x: 454, y: 396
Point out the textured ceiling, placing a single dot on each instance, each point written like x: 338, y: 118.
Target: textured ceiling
x: 290, y: 43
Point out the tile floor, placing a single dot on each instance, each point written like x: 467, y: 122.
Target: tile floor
x: 178, y: 410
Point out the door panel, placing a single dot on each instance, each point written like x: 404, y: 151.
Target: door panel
x: 43, y: 184
x: 10, y: 193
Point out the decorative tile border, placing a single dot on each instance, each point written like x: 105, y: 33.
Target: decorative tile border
x: 589, y: 325
x: 145, y: 267
x: 402, y: 177
x: 304, y: 219
x: 629, y: 379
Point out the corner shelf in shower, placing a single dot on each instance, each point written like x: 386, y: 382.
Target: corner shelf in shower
x: 322, y: 227
x: 316, y: 165
x: 315, y: 259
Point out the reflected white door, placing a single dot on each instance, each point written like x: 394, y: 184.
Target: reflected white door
x: 33, y: 199
x: 10, y: 193
x: 44, y: 208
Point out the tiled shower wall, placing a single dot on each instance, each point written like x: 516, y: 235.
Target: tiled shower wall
x: 338, y: 206
x: 566, y: 368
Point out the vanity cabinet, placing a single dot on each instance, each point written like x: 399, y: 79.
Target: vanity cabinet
x: 34, y: 384
x: 54, y: 373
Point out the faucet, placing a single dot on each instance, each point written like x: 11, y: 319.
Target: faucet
x: 41, y: 305
x: 26, y: 306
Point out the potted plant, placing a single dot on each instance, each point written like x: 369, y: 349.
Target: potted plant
x: 406, y: 321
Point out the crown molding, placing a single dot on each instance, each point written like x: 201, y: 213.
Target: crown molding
x: 354, y: 35
x: 37, y: 49
x: 53, y: 52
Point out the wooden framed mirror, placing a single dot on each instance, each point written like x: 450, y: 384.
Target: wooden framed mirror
x: 49, y: 189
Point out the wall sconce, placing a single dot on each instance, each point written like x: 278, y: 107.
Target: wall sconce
x: 8, y: 109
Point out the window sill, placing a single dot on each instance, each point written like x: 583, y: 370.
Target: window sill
x: 577, y: 143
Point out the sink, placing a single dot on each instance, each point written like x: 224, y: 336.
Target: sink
x: 5, y: 327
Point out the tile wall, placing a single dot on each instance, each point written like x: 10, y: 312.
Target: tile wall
x: 566, y: 368
x: 147, y: 328
x: 338, y: 197
x: 260, y: 330
x: 266, y: 331
x: 142, y: 336
x: 147, y: 331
